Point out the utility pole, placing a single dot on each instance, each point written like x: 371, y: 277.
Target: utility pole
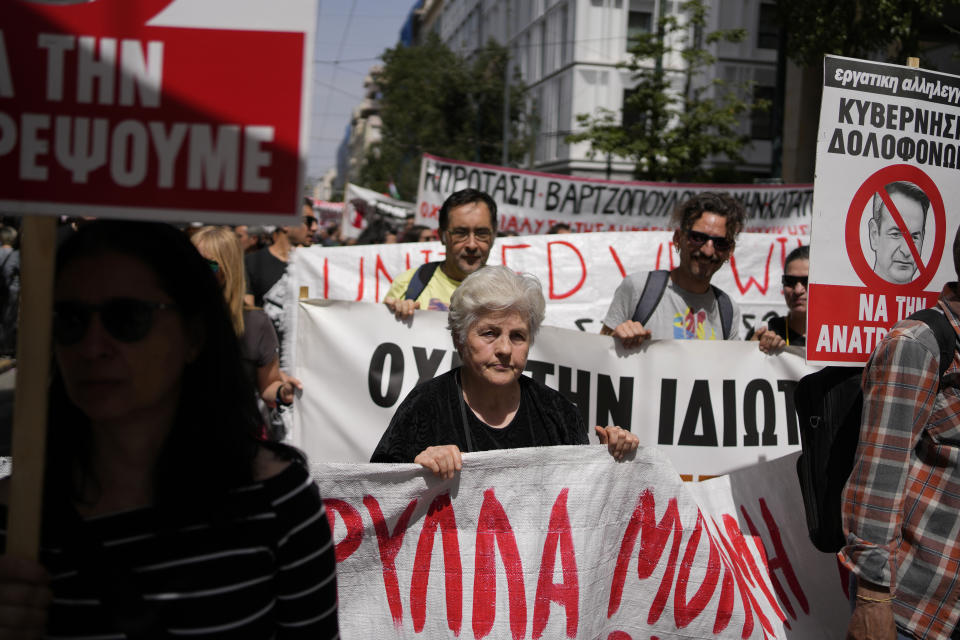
x: 505, y: 152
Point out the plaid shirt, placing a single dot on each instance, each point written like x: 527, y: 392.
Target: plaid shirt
x: 901, y: 504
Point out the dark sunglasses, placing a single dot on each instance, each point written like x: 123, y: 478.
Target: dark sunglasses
x: 125, y: 319
x: 699, y: 239
x: 789, y: 282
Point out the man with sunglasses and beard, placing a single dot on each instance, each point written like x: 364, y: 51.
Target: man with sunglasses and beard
x: 681, y: 304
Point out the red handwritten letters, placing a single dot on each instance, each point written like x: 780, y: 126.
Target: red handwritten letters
x: 707, y: 564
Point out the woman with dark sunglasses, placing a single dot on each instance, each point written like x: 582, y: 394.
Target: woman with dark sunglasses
x: 164, y: 513
x: 258, y: 339
x: 789, y: 330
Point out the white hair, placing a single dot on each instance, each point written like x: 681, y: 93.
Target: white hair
x: 495, y: 289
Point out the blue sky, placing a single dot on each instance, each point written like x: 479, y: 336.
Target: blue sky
x: 351, y: 35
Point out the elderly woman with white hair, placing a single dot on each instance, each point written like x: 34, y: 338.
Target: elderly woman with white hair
x: 486, y: 403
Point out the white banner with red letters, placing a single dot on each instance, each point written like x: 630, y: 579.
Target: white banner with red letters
x: 178, y: 110
x: 884, y: 211
x: 710, y: 406
x: 529, y: 202
x: 579, y: 271
x: 564, y: 542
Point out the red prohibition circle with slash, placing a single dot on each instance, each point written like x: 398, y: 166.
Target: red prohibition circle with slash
x: 876, y: 183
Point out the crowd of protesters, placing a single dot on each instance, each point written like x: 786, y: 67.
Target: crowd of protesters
x: 164, y: 346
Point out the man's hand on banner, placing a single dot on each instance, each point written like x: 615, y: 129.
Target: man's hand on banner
x: 769, y: 341
x: 620, y: 442
x: 444, y: 460
x: 402, y: 309
x: 630, y: 333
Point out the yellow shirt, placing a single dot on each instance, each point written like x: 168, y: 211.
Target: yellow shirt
x: 435, y: 296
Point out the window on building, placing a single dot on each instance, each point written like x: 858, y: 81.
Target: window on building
x: 761, y: 120
x: 544, y: 68
x: 768, y: 31
x: 631, y: 115
x: 639, y: 19
x: 564, y: 45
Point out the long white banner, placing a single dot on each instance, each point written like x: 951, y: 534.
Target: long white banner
x: 711, y: 407
x: 531, y: 202
x: 579, y: 272
x: 563, y: 542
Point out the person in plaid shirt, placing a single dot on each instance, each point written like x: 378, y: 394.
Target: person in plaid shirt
x: 901, y: 504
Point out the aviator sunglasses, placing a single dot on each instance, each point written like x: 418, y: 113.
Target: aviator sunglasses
x: 698, y: 239
x: 125, y: 319
x: 789, y: 282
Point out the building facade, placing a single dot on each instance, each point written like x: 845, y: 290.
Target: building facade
x: 567, y: 52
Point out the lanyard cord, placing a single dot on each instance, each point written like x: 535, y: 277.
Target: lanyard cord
x: 463, y: 413
x: 466, y: 426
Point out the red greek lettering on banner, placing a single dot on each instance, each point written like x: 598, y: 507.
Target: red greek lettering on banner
x: 389, y: 544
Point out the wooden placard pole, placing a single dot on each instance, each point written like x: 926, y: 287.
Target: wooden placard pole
x: 37, y: 251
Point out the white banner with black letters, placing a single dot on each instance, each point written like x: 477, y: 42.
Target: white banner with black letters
x: 530, y: 202
x: 710, y: 406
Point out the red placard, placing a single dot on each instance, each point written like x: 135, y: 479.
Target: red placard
x: 855, y: 319
x: 102, y: 113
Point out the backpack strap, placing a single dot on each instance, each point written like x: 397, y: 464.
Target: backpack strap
x: 943, y: 330
x: 725, y: 306
x: 420, y: 279
x: 651, y: 295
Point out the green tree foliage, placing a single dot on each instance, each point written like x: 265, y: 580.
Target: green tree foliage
x: 670, y: 124
x: 435, y: 101
x: 857, y: 28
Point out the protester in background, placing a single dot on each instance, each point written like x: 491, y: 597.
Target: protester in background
x: 899, y: 505
x: 164, y: 514
x: 409, y: 221
x: 263, y: 237
x: 486, y: 403
x: 791, y: 329
x: 265, y: 267
x: 467, y: 220
x: 310, y: 220
x: 9, y: 290
x: 681, y: 304
x: 248, y: 242
x: 560, y: 227
x: 259, y: 348
x: 378, y: 229
x: 418, y: 233
x: 332, y: 237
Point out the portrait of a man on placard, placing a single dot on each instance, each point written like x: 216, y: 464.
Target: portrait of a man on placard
x: 893, y: 259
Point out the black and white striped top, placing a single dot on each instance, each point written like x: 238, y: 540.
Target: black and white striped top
x: 264, y: 569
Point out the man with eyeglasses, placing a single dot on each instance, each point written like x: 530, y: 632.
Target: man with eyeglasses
x: 468, y: 224
x: 681, y: 304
